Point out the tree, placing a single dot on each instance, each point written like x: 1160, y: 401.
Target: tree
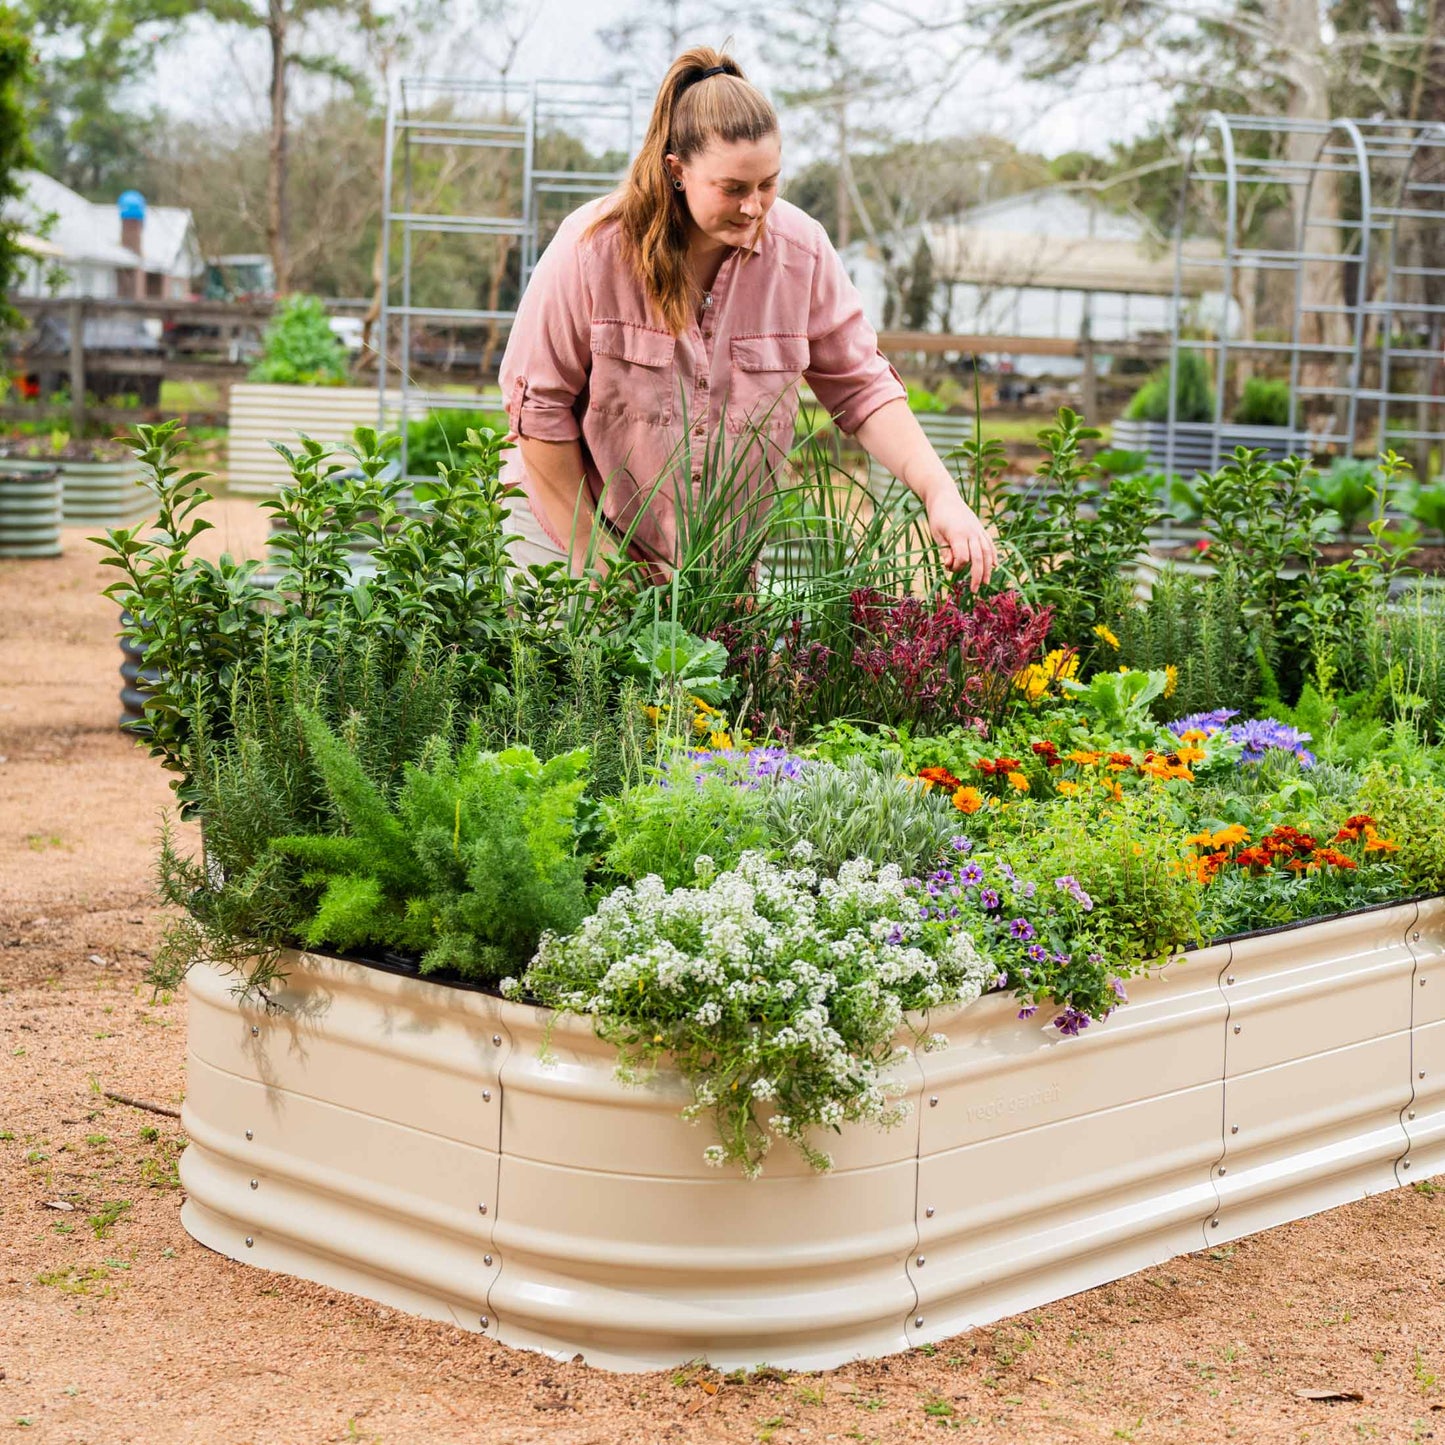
x: 90, y: 55
x: 918, y: 294
x: 15, y: 153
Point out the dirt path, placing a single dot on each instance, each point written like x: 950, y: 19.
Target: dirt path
x: 115, y: 1326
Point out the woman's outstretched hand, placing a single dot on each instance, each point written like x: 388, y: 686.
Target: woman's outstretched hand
x: 962, y: 538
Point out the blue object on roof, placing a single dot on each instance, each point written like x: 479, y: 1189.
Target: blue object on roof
x: 132, y: 206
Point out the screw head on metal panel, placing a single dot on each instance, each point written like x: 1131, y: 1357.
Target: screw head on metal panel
x: 1238, y: 1027
x: 255, y: 1184
x: 1214, y: 1224
x: 1404, y: 1164
x: 1422, y: 1073
x: 486, y: 1259
x: 933, y: 1101
x: 1234, y: 1128
x: 922, y: 1260
x: 1223, y: 1170
x: 481, y: 1209
x: 1423, y: 982
x: 497, y: 1041
x: 929, y: 1211
x: 249, y: 1134
x: 486, y: 1096
x: 254, y: 1031
x: 1412, y: 1113
x: 1230, y: 979
x: 249, y: 1241
x: 485, y: 1321
x: 1415, y: 937
x: 917, y: 1320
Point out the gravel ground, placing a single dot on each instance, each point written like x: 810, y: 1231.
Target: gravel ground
x: 115, y: 1326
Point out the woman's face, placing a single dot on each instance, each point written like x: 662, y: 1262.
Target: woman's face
x: 729, y: 187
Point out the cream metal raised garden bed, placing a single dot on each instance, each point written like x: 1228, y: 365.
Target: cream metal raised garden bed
x: 405, y: 1140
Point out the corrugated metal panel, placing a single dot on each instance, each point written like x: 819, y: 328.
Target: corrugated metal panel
x: 261, y: 414
x: 1034, y: 1166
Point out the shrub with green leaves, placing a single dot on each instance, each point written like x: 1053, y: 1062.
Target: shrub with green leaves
x: 472, y: 862
x: 1264, y: 402
x: 299, y: 347
x: 1193, y: 393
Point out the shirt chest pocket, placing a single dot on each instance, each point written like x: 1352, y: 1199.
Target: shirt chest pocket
x: 763, y: 379
x: 632, y: 372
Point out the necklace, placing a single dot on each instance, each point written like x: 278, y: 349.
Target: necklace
x: 707, y: 298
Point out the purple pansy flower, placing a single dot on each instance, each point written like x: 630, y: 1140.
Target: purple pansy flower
x: 1021, y: 929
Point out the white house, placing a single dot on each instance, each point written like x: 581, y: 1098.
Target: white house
x: 1047, y: 263
x: 89, y: 249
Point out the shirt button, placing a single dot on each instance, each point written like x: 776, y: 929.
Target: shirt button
x: 702, y: 383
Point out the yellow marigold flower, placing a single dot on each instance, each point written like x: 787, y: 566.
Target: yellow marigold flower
x: 1171, y: 679
x: 703, y: 707
x: 1068, y: 789
x: 718, y: 740
x: 1228, y: 837
x: 1189, y: 755
x: 1115, y: 791
x: 1018, y: 782
x: 1200, y: 840
x: 1122, y: 668
x: 652, y: 713
x: 1194, y: 735
x: 699, y: 724
x: 1084, y: 759
x: 1374, y: 843
x: 968, y: 800
x: 1105, y: 635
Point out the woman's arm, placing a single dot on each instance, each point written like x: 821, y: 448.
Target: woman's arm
x: 555, y: 470
x: 892, y: 436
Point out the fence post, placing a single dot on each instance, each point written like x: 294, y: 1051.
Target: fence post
x: 77, y: 367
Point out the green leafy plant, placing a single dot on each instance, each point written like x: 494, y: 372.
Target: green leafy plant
x: 1348, y: 489
x: 471, y: 864
x: 674, y: 661
x: 299, y: 346
x: 1117, y: 706
x: 1116, y: 462
x: 1194, y: 395
x: 1426, y: 504
x: 1264, y: 402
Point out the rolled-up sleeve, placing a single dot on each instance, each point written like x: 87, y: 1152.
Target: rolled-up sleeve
x: 549, y: 356
x: 846, y: 370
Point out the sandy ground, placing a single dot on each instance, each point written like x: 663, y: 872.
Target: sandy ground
x: 115, y: 1326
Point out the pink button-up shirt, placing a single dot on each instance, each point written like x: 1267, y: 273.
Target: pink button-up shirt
x: 587, y: 360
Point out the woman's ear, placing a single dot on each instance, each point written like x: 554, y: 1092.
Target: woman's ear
x: 674, y: 169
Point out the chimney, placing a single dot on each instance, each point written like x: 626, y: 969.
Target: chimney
x: 132, y: 207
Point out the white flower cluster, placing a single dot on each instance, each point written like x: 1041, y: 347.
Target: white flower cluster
x: 764, y: 983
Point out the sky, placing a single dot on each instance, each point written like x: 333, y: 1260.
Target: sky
x: 947, y: 88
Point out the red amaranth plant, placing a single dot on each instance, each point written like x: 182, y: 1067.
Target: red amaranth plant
x: 946, y: 658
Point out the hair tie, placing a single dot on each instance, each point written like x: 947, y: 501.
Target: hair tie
x: 714, y: 70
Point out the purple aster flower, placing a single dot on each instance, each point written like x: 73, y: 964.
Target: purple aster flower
x: 1021, y: 929
x: 960, y: 843
x: 971, y: 875
x: 1258, y: 735
x: 989, y: 899
x: 1203, y: 722
x: 1038, y: 953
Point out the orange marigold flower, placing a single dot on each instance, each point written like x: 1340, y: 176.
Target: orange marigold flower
x: 1115, y: 791
x: 1303, y: 865
x: 1189, y: 754
x: 1252, y: 858
x: 1084, y: 758
x: 1334, y: 858
x: 1067, y: 788
x: 986, y: 767
x: 1374, y: 843
x: 1194, y: 735
x: 1200, y: 840
x: 1228, y: 837
x: 939, y: 776
x: 1018, y: 782
x: 968, y: 800
x: 1123, y: 760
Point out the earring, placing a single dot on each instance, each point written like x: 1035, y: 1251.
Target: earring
x: 676, y: 185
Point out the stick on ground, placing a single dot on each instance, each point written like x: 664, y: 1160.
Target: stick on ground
x: 144, y: 1104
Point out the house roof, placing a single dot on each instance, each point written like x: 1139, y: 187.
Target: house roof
x: 1058, y: 238
x: 87, y: 231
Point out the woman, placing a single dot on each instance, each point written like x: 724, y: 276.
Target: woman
x: 689, y: 301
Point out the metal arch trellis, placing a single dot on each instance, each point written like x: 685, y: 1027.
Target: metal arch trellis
x: 1361, y: 210
x: 511, y: 117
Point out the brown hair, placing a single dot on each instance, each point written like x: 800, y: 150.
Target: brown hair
x: 691, y: 109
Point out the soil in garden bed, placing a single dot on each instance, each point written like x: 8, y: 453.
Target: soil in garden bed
x: 116, y: 1326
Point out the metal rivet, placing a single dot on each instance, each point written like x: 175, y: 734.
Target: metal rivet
x: 1412, y: 1113
x: 1405, y: 1164
x: 933, y: 1101
x: 255, y: 1184
x: 249, y: 1134
x: 929, y: 1211
x: 1230, y: 979
x: 497, y: 1040
x: 1214, y: 1224
x: 481, y: 1209
x: 249, y: 1241
x: 1223, y: 1170
x: 486, y: 1096
x: 486, y: 1259
x: 1234, y: 1128
x: 1415, y: 937
x: 921, y: 1260
x: 485, y: 1321
x: 917, y: 1319
x: 1238, y: 1027
x: 255, y: 1031
x: 1422, y: 1073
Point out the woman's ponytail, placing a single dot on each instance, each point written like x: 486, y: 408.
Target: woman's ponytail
x: 704, y: 96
